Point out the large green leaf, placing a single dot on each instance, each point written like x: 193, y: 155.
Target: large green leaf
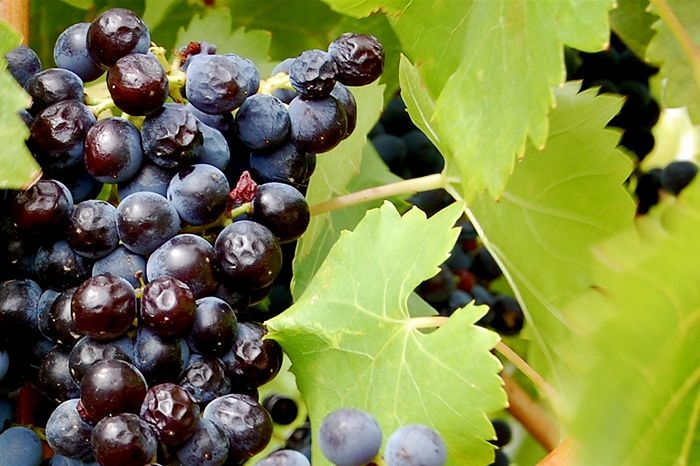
x: 632, y: 22
x: 18, y: 168
x: 489, y: 66
x: 642, y: 376
x: 680, y: 87
x: 335, y: 171
x: 353, y: 344
x: 561, y: 201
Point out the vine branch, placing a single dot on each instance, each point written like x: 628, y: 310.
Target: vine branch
x: 526, y: 369
x: 691, y: 50
x: 562, y: 455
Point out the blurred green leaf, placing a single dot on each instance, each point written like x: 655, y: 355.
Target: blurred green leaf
x: 633, y: 24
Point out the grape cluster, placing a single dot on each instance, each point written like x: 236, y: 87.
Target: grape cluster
x: 163, y: 215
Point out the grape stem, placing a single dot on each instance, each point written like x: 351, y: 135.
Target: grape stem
x: 224, y: 219
x: 414, y: 185
x: 101, y: 106
x: 278, y: 81
x: 684, y: 39
x: 562, y: 455
x: 526, y: 369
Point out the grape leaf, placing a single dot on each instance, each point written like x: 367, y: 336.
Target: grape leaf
x: 157, y: 11
x: 335, y: 170
x: 489, y: 66
x: 18, y: 168
x: 214, y: 26
x: 642, y: 366
x: 633, y: 24
x: 680, y: 87
x: 81, y: 4
x: 353, y: 344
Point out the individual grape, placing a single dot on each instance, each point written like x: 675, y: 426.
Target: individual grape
x: 138, y: 84
x: 300, y: 440
x: 171, y: 136
x: 199, y: 193
x: 160, y: 359
x: 457, y: 300
x: 485, y: 266
x: 20, y: 446
x: 67, y: 434
x: 54, y: 379
x: 79, y: 182
x: 500, y: 459
x: 262, y: 122
x: 285, y: 164
x: 146, y: 220
x: 313, y: 74
x: 122, y: 263
x: 58, y: 134
x: 71, y: 53
x: 283, y: 410
x: 22, y: 63
x: 113, y: 150
x: 208, y: 446
x: 238, y: 299
x: 214, y: 150
x: 248, y: 74
x: 343, y: 95
x: 359, y: 58
x: 647, y: 189
x: 52, y: 86
x: 214, y: 327
x: 508, y: 317
x: 349, y: 437
x: 59, y: 325
x: 252, y: 360
x: 123, y: 439
x: 438, y: 288
x: 317, y: 125
x: 415, y: 445
x: 116, y: 33
x: 392, y: 149
x: 422, y: 157
x: 104, y: 306
x: 110, y: 387
x: 43, y: 208
x: 284, y: 458
x: 503, y: 432
x: 222, y: 123
x: 92, y: 229
x: 214, y: 84
x: 167, y: 306
x: 150, y: 177
x: 192, y: 50
x: 638, y: 140
x: 677, y: 175
x: 248, y: 254
x: 245, y: 422
x: 282, y: 209
x: 395, y: 117
x: 172, y: 412
x: 59, y: 267
x: 87, y: 351
x: 189, y: 258
x: 204, y: 378
x: 4, y: 366
x: 284, y: 94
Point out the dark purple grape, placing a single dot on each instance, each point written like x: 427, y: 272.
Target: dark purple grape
x: 247, y: 76
x: 214, y: 327
x: 285, y: 164
x: 113, y: 151
x: 317, y: 125
x: 104, y: 306
x: 122, y: 263
x: 167, y: 306
x: 252, y: 360
x: 222, y: 123
x: 205, y: 378
x: 503, y: 433
x: 199, y: 193
x: 22, y: 63
x: 150, y: 177
x: 238, y: 299
x: 248, y: 254
x: 43, y: 208
x: 79, y: 182
x: 343, y: 95
x: 282, y: 209
x: 70, y: 52
x: 59, y: 267
x: 208, y: 446
x: 313, y: 74
x: 52, y: 86
x: 160, y: 359
x: 244, y: 421
x: 123, y: 439
x: 110, y: 387
x: 677, y: 175
x: 59, y: 325
x: 172, y: 412
x: 92, y: 229
x: 349, y: 437
x: 54, y: 380
x: 508, y: 316
x: 171, y: 136
x: 359, y: 57
x: 392, y: 149
x: 67, y: 434
x: 116, y: 33
x: 146, y: 220
x: 282, y: 409
x: 485, y: 266
x: 138, y: 84
x: 214, y: 84
x: 189, y: 258
x: 214, y: 150
x: 58, y: 134
x: 262, y: 122
x: 87, y: 351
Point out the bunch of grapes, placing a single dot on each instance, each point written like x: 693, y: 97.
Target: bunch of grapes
x: 160, y: 218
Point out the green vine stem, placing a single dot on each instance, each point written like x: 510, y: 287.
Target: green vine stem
x: 689, y: 47
x: 224, y: 219
x: 278, y: 81
x: 526, y: 369
x: 101, y: 106
x: 414, y: 185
